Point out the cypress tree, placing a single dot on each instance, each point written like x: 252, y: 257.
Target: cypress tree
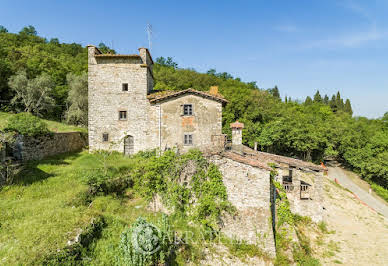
x: 275, y: 92
x: 348, y: 107
x: 326, y: 99
x: 308, y: 101
x: 333, y: 104
x: 317, y: 97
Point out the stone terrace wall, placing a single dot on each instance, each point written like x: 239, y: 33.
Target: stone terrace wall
x: 248, y: 189
x: 35, y: 148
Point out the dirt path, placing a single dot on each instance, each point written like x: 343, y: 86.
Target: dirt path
x: 347, y: 181
x: 359, y: 235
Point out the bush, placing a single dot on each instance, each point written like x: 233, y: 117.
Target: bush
x: 105, y: 183
x: 382, y: 192
x: 27, y: 124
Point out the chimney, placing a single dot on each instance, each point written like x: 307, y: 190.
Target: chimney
x: 213, y: 90
x: 237, y: 135
x: 92, y: 51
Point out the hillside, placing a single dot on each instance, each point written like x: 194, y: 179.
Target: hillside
x: 315, y: 129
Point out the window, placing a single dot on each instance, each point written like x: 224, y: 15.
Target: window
x: 122, y: 115
x: 188, y: 139
x: 105, y: 137
x: 187, y: 109
x: 125, y: 86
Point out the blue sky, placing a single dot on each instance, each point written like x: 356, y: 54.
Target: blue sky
x: 300, y: 46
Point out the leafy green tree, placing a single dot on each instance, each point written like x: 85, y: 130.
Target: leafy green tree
x: 3, y: 29
x: 317, y: 97
x: 105, y: 49
x: 28, y: 30
x: 169, y: 62
x: 33, y: 96
x: 275, y: 92
x: 78, y: 99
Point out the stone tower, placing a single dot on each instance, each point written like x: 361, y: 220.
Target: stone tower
x: 119, y: 112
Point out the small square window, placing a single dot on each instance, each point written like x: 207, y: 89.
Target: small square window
x: 188, y: 140
x: 187, y: 109
x: 125, y: 86
x: 122, y: 115
x: 105, y: 137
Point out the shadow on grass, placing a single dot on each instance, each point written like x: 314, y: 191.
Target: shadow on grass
x: 31, y: 172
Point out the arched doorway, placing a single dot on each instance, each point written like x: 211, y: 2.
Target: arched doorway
x: 128, y: 145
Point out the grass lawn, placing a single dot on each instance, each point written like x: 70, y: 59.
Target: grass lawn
x: 38, y: 214
x: 52, y: 125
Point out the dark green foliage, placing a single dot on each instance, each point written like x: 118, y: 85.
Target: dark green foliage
x: 274, y: 92
x: 104, y: 183
x: 35, y: 55
x: 105, y: 49
x: 27, y: 124
x: 146, y: 244
x: 3, y: 29
x: 165, y: 176
x: 166, y: 62
x: 317, y: 97
x: 308, y: 101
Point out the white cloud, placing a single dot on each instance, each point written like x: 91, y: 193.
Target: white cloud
x: 350, y: 40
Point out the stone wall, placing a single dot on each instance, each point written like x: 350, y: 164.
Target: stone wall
x: 205, y: 122
x: 248, y: 189
x: 35, y: 148
x: 106, y: 74
x: 311, y: 202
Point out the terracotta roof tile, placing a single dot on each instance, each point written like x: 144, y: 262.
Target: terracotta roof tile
x: 246, y: 160
x: 273, y: 158
x: 163, y: 95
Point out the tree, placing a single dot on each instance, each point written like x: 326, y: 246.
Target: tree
x: 105, y: 49
x: 33, y: 96
x: 333, y: 104
x: 77, y: 112
x: 317, y: 97
x: 308, y: 101
x: 348, y: 107
x: 275, y: 92
x: 3, y: 29
x: 339, y: 102
x: 326, y: 99
x: 169, y: 62
x: 29, y: 30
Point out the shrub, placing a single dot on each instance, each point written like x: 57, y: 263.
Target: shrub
x: 27, y: 124
x: 146, y: 244
x: 382, y: 192
x: 101, y: 182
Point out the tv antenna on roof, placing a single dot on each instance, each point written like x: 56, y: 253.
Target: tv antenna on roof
x: 149, y: 34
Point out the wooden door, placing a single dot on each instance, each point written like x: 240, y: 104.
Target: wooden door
x: 128, y: 145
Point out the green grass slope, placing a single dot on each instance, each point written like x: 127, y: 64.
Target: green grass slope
x: 53, y: 126
x: 38, y: 214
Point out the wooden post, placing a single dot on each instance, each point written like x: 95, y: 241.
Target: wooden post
x: 255, y: 146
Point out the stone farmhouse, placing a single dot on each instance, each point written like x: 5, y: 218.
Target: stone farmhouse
x: 126, y: 115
